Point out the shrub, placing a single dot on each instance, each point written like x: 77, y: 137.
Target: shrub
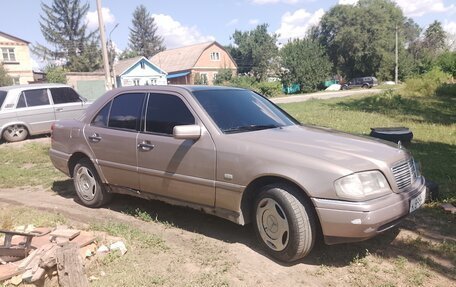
x: 55, y: 74
x: 269, y: 89
x: 426, y: 84
x: 245, y: 82
x: 446, y: 90
x: 223, y: 75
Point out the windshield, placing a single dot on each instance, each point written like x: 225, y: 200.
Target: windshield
x: 2, y: 97
x: 241, y: 110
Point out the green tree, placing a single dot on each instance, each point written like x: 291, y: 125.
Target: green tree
x: 305, y: 62
x: 254, y: 51
x: 5, y: 79
x: 435, y: 38
x: 223, y: 75
x: 63, y: 27
x: 55, y: 74
x: 447, y: 62
x: 360, y: 39
x: 127, y: 54
x: 144, y: 39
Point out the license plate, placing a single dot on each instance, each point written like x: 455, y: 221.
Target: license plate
x: 417, y: 201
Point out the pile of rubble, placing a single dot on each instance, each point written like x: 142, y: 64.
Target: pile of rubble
x: 32, y: 255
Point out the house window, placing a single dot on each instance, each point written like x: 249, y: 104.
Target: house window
x: 215, y: 56
x: 16, y: 80
x: 143, y: 65
x: 8, y: 55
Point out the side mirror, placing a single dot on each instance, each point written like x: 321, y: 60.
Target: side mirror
x: 187, y: 132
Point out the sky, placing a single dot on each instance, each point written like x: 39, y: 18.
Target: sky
x: 183, y: 22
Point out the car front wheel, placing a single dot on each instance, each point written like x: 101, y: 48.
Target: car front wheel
x: 88, y: 185
x: 284, y: 222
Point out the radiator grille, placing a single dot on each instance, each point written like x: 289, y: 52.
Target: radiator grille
x: 405, y: 174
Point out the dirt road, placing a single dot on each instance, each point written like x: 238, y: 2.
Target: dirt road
x: 323, y: 95
x: 208, y: 251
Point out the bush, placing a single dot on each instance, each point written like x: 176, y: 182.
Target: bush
x: 223, y: 75
x: 426, y: 84
x: 55, y: 74
x: 446, y: 90
x: 269, y: 89
x: 245, y: 82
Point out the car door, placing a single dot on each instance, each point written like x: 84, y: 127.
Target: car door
x: 34, y: 109
x: 112, y: 136
x: 175, y: 168
x: 67, y: 103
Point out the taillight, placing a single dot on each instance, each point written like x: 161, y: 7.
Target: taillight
x: 52, y: 129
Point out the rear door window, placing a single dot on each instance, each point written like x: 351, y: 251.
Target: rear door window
x: 2, y: 97
x: 33, y: 98
x: 101, y: 119
x: 64, y: 95
x: 164, y: 112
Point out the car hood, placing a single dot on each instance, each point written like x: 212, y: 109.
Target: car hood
x: 350, y: 152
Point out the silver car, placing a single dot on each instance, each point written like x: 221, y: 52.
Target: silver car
x: 31, y: 109
x: 232, y: 153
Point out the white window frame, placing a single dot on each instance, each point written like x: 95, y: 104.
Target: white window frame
x: 215, y: 56
x: 11, y: 54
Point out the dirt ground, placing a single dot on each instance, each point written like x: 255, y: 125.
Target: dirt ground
x: 203, y: 250
x: 208, y: 251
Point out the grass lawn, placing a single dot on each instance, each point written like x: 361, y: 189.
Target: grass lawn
x: 431, y: 119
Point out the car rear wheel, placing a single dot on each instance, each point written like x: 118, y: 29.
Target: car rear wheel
x: 284, y: 222
x: 15, y: 133
x: 88, y: 185
x: 365, y: 86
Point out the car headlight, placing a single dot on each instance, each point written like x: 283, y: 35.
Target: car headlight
x: 362, y: 186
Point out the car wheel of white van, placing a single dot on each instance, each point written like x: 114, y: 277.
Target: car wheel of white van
x: 88, y: 185
x: 15, y: 133
x: 284, y: 222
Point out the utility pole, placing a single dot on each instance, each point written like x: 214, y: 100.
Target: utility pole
x: 396, y: 68
x: 103, y: 47
x: 110, y: 57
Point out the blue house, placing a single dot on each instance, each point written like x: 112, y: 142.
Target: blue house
x: 138, y: 71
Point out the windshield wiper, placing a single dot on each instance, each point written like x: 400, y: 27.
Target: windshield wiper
x: 249, y: 128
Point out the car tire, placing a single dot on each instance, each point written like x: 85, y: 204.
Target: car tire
x: 88, y: 185
x: 15, y: 133
x: 284, y: 222
x: 365, y: 86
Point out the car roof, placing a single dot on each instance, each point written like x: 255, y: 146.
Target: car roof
x: 33, y: 86
x: 189, y: 88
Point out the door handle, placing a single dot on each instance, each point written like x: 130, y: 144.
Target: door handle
x: 95, y: 138
x: 59, y: 109
x: 145, y: 146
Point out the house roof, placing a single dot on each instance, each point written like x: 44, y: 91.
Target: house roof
x: 181, y: 59
x: 123, y: 66
x: 14, y: 37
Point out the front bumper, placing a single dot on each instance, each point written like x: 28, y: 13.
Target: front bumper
x: 343, y: 221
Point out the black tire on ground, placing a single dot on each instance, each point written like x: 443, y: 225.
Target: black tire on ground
x: 15, y: 133
x: 365, y: 86
x: 88, y: 185
x: 284, y: 222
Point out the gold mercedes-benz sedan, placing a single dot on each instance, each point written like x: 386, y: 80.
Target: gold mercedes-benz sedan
x: 232, y: 153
